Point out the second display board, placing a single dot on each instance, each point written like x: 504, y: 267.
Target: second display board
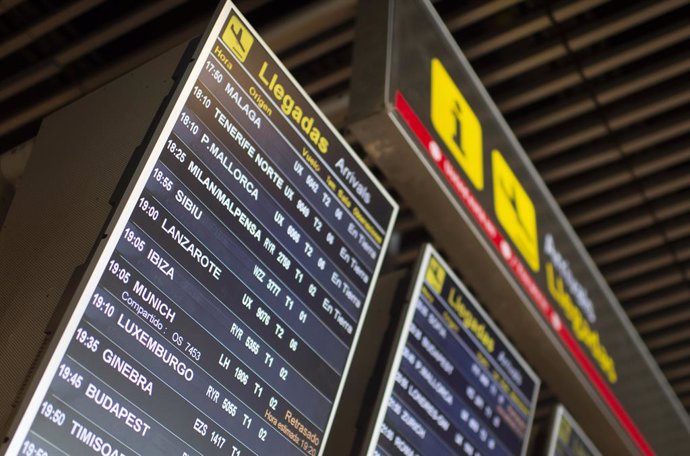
x: 455, y: 384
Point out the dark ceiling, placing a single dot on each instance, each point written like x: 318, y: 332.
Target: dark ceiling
x: 598, y: 92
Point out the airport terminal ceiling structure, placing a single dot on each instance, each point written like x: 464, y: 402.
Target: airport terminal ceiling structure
x: 596, y: 91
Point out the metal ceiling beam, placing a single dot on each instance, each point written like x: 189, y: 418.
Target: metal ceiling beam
x: 340, y: 76
x: 633, y: 266
x: 53, y: 66
x: 561, y: 110
x: 491, y: 42
x: 308, y: 22
x: 650, y: 282
x: 670, y: 297
x: 626, y: 19
x: 650, y: 261
x: 603, y: 206
x: 46, y: 25
x: 561, y: 167
x: 475, y: 13
x: 45, y: 70
x: 672, y: 354
x: 682, y: 387
x: 623, y: 198
x: 665, y: 208
x: 659, y: 323
x: 555, y: 141
x: 93, y: 81
x: 592, y: 67
x: 671, y: 337
x: 6, y: 5
x: 604, y: 179
x: 529, y: 26
x: 539, y: 119
x: 324, y: 46
x: 583, y: 129
x: 600, y: 31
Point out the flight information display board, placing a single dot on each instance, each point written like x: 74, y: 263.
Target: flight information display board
x: 567, y: 439
x: 219, y: 316
x: 455, y: 385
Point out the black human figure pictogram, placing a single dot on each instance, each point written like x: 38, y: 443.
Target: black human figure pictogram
x: 511, y: 194
x: 457, y: 136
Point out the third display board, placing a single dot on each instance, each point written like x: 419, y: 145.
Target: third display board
x: 567, y: 438
x: 455, y: 384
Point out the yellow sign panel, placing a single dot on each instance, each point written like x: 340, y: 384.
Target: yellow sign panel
x: 456, y: 124
x: 515, y: 210
x: 435, y: 275
x: 238, y: 38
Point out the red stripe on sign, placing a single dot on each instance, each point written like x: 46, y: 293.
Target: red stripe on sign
x: 518, y: 270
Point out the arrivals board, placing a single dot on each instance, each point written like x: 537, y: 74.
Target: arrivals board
x: 567, y: 439
x: 455, y: 386
x: 219, y: 315
x: 423, y: 115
